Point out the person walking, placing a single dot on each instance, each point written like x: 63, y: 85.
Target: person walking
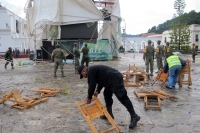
x: 194, y: 52
x: 57, y: 57
x: 85, y: 57
x: 159, y: 55
x: 76, y: 53
x: 148, y: 57
x: 168, y: 51
x: 9, y: 58
x: 174, y: 64
x: 112, y: 80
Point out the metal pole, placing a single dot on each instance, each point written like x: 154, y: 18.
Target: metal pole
x: 35, y: 46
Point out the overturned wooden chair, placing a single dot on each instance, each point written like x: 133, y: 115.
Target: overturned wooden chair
x: 47, y: 92
x: 21, y: 103
x: 148, y: 104
x: 161, y: 76
x: 95, y: 110
x: 139, y: 77
x: 185, y: 71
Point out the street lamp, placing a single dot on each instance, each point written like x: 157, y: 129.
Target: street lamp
x: 124, y: 31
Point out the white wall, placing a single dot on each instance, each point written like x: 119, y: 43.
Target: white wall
x: 195, y: 30
x: 8, y: 35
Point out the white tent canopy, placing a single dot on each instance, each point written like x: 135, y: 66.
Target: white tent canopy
x: 58, y: 12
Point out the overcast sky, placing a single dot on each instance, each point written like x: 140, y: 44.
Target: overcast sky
x: 139, y: 15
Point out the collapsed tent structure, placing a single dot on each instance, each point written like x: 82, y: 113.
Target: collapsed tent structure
x: 65, y: 22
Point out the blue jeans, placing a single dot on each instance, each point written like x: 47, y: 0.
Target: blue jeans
x: 173, y: 75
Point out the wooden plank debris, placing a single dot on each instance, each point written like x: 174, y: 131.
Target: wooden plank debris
x: 21, y: 103
x: 47, y: 92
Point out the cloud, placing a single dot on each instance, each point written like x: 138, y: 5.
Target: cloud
x: 16, y: 6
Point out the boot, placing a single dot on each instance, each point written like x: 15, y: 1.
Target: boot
x: 134, y: 119
x: 5, y: 66
x: 63, y: 74
x: 12, y: 67
x: 109, y: 109
x: 55, y: 74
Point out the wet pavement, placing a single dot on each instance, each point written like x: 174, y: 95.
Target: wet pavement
x: 60, y: 113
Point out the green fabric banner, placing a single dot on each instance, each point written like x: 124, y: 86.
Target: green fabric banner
x: 100, y: 51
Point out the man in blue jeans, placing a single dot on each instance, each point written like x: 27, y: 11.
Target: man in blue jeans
x: 174, y: 63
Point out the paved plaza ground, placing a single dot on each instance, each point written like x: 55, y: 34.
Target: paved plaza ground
x: 60, y: 114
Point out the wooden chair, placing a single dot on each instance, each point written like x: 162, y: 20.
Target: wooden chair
x: 161, y: 76
x: 21, y: 103
x: 95, y: 110
x: 185, y: 71
x: 147, y: 103
x: 47, y: 92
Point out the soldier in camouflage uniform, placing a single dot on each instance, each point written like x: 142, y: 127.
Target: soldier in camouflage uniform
x: 85, y: 58
x: 57, y: 57
x: 168, y: 51
x: 194, y: 52
x: 148, y: 57
x: 76, y: 53
x: 9, y: 58
x: 159, y: 55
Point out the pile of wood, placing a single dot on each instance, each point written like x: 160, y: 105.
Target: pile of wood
x: 25, y: 103
x: 47, y: 92
x: 20, y: 102
x: 138, y: 76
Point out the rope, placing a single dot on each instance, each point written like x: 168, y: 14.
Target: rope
x: 93, y: 34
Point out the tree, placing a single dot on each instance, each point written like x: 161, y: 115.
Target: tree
x: 180, y: 35
x: 180, y: 32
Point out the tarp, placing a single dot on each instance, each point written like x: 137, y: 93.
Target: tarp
x: 111, y: 30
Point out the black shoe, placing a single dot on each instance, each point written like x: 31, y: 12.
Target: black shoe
x: 173, y: 86
x: 134, y: 121
x: 151, y: 74
x: 168, y: 87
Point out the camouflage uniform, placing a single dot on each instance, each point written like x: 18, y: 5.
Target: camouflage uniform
x: 148, y: 57
x: 194, y: 52
x: 159, y: 55
x: 58, y: 57
x: 9, y: 57
x: 168, y: 52
x: 85, y: 58
x: 76, y: 58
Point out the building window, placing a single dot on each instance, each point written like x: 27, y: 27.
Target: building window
x: 196, y: 38
x: 17, y: 26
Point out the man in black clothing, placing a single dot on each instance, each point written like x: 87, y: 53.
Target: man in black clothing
x: 112, y: 80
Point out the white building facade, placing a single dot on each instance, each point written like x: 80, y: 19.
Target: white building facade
x: 194, y: 35
x: 11, y: 31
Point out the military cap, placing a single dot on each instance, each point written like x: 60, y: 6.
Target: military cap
x: 80, y: 70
